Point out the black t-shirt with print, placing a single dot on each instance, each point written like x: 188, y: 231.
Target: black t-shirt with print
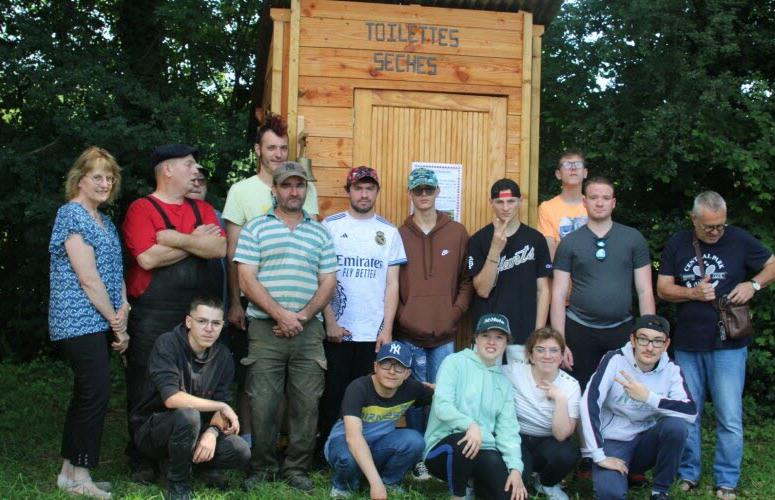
x: 735, y: 258
x: 524, y: 259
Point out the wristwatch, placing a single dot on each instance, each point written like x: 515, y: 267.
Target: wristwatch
x: 756, y: 286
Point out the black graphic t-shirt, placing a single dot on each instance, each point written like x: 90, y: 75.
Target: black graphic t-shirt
x: 524, y: 259
x: 379, y: 415
x: 735, y: 258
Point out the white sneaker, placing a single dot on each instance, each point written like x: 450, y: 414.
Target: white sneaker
x: 420, y: 472
x: 552, y: 492
x: 337, y: 493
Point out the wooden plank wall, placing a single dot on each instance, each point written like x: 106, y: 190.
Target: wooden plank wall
x: 343, y: 46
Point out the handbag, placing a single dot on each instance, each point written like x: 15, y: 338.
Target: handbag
x: 735, y: 320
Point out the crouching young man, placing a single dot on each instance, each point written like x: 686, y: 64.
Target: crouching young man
x: 636, y: 412
x: 365, y: 441
x: 183, y: 416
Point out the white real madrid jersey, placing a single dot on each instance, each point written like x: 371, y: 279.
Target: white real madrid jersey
x: 365, y: 248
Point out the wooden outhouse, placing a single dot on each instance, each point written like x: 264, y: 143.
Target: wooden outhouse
x: 390, y: 86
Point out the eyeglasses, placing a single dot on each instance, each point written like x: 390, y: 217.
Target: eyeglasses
x: 99, y: 179
x: 644, y: 341
x: 554, y: 351
x: 572, y: 165
x: 717, y: 228
x: 199, y: 180
x: 396, y: 366
x: 423, y: 191
x: 203, y: 322
x: 600, y: 253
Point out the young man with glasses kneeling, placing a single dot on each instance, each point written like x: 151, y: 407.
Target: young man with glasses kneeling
x: 365, y: 441
x: 636, y: 412
x: 183, y: 416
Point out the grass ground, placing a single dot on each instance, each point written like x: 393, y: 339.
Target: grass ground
x: 33, y: 400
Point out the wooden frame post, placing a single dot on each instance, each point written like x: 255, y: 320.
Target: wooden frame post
x: 293, y: 77
x: 525, y: 118
x: 535, y: 117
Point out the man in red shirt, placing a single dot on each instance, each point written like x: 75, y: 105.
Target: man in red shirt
x: 169, y: 239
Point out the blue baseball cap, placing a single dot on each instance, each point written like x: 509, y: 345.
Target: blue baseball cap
x: 395, y: 350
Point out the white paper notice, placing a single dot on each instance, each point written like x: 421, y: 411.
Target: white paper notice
x: 450, y: 177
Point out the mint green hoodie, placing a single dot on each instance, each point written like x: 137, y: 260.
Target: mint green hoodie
x: 469, y: 391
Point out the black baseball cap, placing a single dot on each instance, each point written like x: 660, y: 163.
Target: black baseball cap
x: 505, y: 188
x: 493, y: 321
x: 652, y: 322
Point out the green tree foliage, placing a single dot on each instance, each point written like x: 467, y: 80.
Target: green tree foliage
x: 127, y: 75
x: 669, y: 98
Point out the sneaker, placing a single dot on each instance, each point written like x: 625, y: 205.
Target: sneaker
x: 337, y: 493
x: 420, y: 472
x: 686, y: 485
x: 301, y: 482
x: 659, y: 495
x: 470, y: 490
x: 726, y: 493
x: 179, y: 491
x: 552, y: 492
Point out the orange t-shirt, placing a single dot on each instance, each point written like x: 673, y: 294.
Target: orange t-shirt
x: 557, y: 219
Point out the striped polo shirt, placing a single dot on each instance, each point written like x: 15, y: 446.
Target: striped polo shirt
x: 288, y: 261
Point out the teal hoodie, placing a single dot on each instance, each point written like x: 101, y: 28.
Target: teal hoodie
x: 469, y: 391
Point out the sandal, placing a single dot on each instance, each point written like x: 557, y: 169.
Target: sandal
x: 86, y: 488
x: 726, y: 493
x: 687, y: 485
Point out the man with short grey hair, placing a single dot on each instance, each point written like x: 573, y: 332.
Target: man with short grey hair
x: 734, y: 264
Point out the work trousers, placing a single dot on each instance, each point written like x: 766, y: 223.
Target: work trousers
x: 276, y: 365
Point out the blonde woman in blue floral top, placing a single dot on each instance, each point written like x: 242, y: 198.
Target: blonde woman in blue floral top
x: 87, y: 310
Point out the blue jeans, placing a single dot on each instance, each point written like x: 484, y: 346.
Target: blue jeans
x: 658, y: 447
x: 723, y: 373
x: 394, y: 454
x: 425, y: 366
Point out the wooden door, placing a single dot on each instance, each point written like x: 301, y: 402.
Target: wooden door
x: 392, y: 129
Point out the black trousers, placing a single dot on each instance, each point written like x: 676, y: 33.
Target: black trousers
x: 174, y: 434
x: 551, y: 459
x: 89, y: 358
x: 589, y: 345
x: 345, y: 362
x: 447, y: 462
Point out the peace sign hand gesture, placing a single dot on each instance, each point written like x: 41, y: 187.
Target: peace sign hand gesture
x: 632, y: 387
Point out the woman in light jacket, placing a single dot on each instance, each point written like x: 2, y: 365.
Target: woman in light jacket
x: 472, y: 430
